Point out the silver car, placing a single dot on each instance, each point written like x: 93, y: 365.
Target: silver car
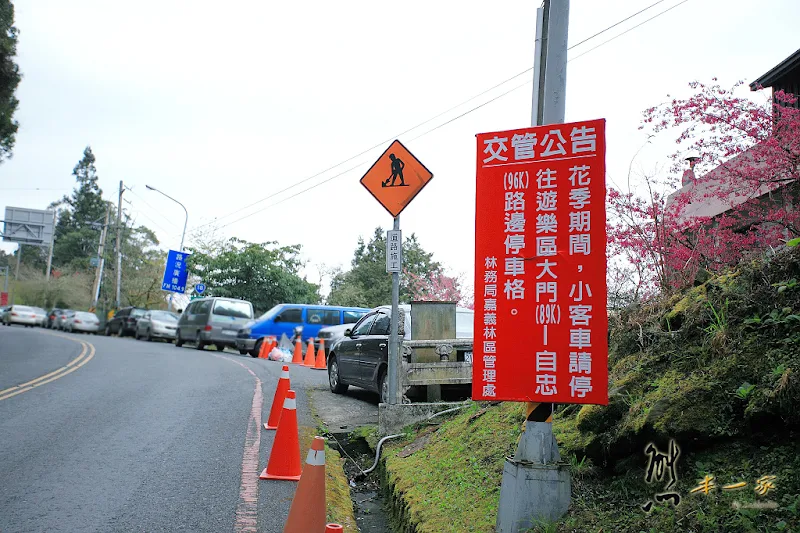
x: 82, y: 321
x: 60, y: 321
x: 157, y: 325
x: 22, y: 315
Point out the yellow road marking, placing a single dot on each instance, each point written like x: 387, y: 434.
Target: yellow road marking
x: 86, y: 355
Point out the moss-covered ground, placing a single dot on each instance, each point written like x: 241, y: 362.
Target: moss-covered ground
x: 716, y: 369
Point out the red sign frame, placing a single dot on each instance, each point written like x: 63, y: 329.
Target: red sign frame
x: 541, y: 321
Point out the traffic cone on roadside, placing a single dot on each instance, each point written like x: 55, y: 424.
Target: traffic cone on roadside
x: 308, y: 511
x: 297, y: 359
x: 333, y: 528
x: 284, y: 458
x: 263, y: 350
x: 277, y: 402
x: 320, y: 362
x: 309, y: 361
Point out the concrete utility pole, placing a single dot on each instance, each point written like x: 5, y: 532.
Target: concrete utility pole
x: 52, y: 244
x: 98, y: 279
x: 535, y: 484
x: 118, y: 250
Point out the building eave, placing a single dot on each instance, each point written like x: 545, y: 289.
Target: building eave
x: 777, y: 72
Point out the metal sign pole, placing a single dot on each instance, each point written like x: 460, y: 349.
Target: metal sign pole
x: 395, y: 390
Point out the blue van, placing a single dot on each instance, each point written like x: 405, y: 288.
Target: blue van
x: 289, y: 318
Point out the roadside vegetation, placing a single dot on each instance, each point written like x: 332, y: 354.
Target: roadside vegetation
x: 715, y: 368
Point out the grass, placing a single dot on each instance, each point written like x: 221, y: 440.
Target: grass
x: 453, y: 482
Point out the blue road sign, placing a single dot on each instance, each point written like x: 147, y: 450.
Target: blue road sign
x: 175, y: 272
x: 200, y: 288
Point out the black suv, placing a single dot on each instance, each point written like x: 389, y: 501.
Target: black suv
x: 124, y: 321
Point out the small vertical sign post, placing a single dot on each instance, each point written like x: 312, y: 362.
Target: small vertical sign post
x: 394, y: 180
x: 394, y: 251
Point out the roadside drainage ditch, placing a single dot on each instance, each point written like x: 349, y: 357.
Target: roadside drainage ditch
x: 372, y: 515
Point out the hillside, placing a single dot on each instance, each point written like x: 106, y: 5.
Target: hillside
x: 716, y: 368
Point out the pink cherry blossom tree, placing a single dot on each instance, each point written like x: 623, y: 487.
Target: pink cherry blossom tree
x: 738, y: 200
x: 438, y: 287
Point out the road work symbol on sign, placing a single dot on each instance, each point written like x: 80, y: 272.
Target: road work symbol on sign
x: 396, y: 178
x: 397, y: 172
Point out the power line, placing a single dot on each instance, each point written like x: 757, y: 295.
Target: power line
x: 471, y: 110
x: 629, y: 29
x: 155, y: 210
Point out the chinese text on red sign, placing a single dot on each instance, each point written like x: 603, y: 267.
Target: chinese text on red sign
x: 540, y: 265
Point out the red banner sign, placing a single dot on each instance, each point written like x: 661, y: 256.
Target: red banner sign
x: 3, y: 298
x: 541, y: 325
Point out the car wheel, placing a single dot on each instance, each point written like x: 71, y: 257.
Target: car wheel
x: 107, y: 331
x: 337, y: 387
x: 242, y: 351
x: 178, y: 340
x: 256, y: 349
x: 383, y: 387
x: 149, y: 337
x: 199, y: 344
x: 220, y: 347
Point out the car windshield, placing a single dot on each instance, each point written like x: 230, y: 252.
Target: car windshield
x: 138, y: 312
x: 86, y: 316
x: 233, y: 309
x: 39, y: 310
x: 163, y: 316
x: 271, y: 313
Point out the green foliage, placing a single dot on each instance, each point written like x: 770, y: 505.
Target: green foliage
x: 9, y: 79
x: 793, y: 242
x: 744, y: 390
x: 81, y: 217
x: 263, y: 273
x: 367, y: 284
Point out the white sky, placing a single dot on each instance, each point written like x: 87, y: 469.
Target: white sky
x: 221, y: 104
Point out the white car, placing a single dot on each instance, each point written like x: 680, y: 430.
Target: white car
x: 42, y: 316
x: 157, y: 325
x: 21, y: 314
x: 83, y: 322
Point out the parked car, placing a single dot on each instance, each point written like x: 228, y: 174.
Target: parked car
x: 3, y: 310
x: 294, y: 319
x: 52, y: 316
x: 82, y: 321
x: 20, y: 314
x: 332, y: 334
x: 157, y: 325
x: 62, y: 317
x: 41, y: 315
x: 214, y: 321
x: 124, y: 321
x: 361, y: 356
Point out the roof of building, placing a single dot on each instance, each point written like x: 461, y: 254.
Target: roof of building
x: 777, y: 72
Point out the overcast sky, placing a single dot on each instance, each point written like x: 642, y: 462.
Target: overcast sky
x: 221, y: 104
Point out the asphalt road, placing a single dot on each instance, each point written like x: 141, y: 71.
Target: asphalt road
x: 125, y: 435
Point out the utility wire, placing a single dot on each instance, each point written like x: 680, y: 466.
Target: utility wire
x: 382, y: 143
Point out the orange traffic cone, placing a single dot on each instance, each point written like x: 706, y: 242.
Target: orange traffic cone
x: 277, y: 401
x: 298, y: 353
x: 309, y: 361
x: 262, y: 350
x: 320, y: 362
x: 333, y: 528
x: 284, y: 459
x: 307, y: 512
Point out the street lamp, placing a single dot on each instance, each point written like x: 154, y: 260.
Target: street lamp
x: 186, y: 221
